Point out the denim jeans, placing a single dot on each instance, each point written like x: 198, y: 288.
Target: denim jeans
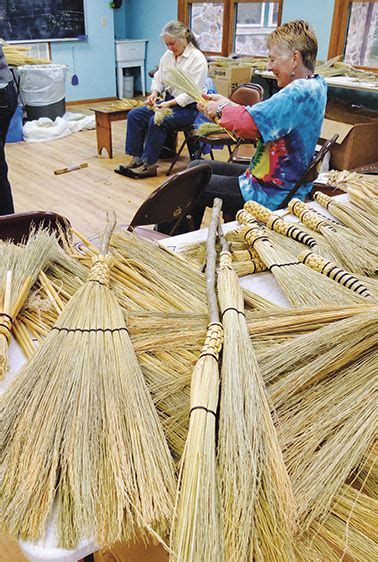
x: 145, y: 139
x: 8, y: 104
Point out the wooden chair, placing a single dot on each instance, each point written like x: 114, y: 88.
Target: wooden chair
x: 244, y: 94
x: 17, y: 226
x: 311, y: 171
x: 172, y: 202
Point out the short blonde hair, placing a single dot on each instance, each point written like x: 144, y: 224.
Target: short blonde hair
x: 297, y: 36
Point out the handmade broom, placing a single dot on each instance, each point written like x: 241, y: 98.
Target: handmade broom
x: 79, y: 427
x: 255, y: 491
x: 302, y: 286
x: 195, y: 533
x: 355, y: 253
x: 19, y: 268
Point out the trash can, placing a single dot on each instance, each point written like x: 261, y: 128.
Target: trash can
x: 43, y: 90
x: 128, y: 85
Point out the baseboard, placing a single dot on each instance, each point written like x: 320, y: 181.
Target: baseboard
x: 96, y: 100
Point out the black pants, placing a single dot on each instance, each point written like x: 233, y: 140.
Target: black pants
x: 224, y: 183
x: 8, y: 104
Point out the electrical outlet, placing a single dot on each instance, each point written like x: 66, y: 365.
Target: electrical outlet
x: 104, y: 22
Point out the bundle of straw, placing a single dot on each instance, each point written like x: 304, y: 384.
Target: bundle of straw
x: 81, y: 429
x: 355, y: 252
x: 302, y: 286
x: 126, y: 104
x: 160, y: 113
x: 356, y: 219
x: 337, y: 67
x: 206, y: 129
x: 257, y: 501
x: 195, y: 530
x: 178, y: 79
x: 361, y: 188
x: 317, y: 263
x: 19, y: 268
x: 15, y: 55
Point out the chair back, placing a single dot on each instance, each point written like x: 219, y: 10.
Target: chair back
x: 174, y: 199
x: 247, y: 94
x: 311, y: 172
x: 16, y: 227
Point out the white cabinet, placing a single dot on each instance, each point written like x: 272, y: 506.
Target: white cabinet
x: 130, y: 53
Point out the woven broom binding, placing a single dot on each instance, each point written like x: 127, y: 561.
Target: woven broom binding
x: 244, y: 217
x: 333, y: 272
x: 322, y: 198
x: 260, y: 212
x: 5, y: 326
x: 279, y: 225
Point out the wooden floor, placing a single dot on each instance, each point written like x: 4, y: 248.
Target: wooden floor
x: 82, y: 196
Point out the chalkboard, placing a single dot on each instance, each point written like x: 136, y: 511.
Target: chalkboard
x: 42, y: 20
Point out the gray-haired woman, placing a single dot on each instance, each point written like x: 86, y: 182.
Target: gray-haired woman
x: 144, y: 139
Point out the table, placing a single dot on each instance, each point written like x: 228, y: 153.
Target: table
x: 104, y: 118
x: 130, y: 53
x: 347, y: 82
x: 46, y: 549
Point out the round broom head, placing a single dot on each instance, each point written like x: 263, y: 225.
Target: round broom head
x: 81, y: 430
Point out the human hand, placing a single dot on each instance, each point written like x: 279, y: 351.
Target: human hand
x: 162, y: 105
x: 151, y: 100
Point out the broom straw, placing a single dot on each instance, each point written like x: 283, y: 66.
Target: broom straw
x: 355, y: 253
x: 195, y: 530
x: 302, y: 286
x: 257, y: 501
x: 178, y: 79
x: 360, y: 222
x: 81, y: 430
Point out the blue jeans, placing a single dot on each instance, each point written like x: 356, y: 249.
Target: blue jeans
x: 8, y: 104
x: 145, y: 139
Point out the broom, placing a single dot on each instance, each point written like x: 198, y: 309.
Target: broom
x: 80, y: 430
x: 19, y: 268
x: 302, y: 286
x: 358, y: 220
x: 317, y: 263
x: 195, y: 533
x: 355, y: 253
x: 257, y: 501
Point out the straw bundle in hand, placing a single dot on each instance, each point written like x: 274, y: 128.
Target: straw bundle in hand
x: 356, y: 253
x: 178, y: 79
x: 195, y: 529
x: 302, y: 286
x: 358, y: 220
x: 255, y: 491
x: 81, y: 430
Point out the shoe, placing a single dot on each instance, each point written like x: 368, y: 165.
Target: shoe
x: 136, y: 162
x: 124, y: 171
x: 144, y: 171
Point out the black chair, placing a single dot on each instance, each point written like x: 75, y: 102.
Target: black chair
x: 311, y: 171
x: 173, y: 201
x: 244, y: 94
x: 16, y: 226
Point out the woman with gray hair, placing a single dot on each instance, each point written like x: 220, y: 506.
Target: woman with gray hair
x: 144, y: 139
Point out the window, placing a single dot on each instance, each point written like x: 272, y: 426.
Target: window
x: 231, y: 27
x: 355, y: 32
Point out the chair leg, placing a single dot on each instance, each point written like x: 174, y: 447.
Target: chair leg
x: 212, y: 154
x: 177, y: 156
x: 234, y: 151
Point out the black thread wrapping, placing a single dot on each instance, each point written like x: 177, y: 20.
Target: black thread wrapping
x: 88, y: 330
x: 202, y: 408
x: 6, y: 327
x: 208, y: 354
x: 284, y: 264
x: 232, y: 308
x: 6, y: 316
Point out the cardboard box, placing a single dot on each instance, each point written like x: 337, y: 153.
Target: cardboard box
x: 233, y: 73
x: 225, y: 87
x: 357, y: 144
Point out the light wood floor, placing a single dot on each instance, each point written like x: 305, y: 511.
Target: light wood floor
x: 82, y: 196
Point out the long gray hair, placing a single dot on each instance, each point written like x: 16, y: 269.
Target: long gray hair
x: 177, y: 29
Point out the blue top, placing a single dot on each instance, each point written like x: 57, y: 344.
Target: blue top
x: 289, y: 123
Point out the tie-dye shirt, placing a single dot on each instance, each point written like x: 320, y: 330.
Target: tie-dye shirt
x: 289, y: 124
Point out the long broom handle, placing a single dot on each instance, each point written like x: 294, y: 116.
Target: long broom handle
x: 109, y: 229
x: 211, y: 258
x: 321, y: 265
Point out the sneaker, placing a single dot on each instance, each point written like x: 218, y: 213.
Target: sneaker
x: 144, y: 171
x: 135, y: 162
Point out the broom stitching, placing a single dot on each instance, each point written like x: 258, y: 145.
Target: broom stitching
x: 87, y: 330
x: 6, y: 316
x: 208, y: 354
x: 202, y: 408
x: 284, y: 264
x: 232, y: 308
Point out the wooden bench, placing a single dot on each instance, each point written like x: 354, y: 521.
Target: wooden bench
x: 104, y: 118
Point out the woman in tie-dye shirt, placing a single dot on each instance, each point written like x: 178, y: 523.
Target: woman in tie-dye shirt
x: 287, y: 126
